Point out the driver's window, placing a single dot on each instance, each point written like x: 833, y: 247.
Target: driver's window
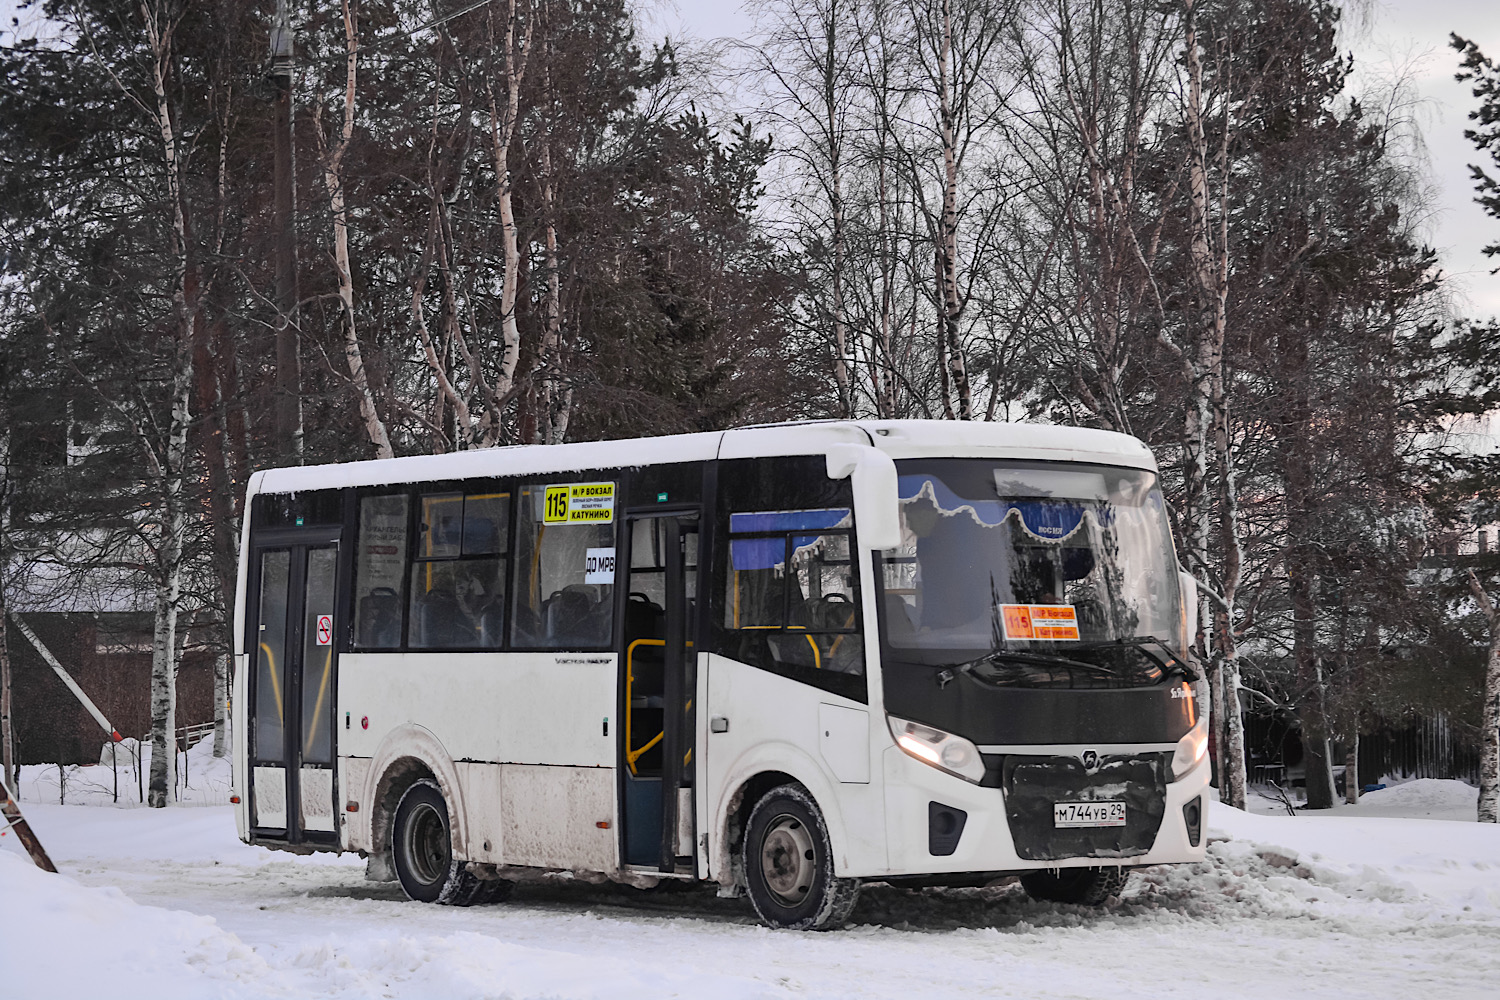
x: 792, y: 591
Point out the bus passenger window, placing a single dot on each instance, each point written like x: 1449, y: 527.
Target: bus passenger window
x: 458, y: 578
x: 380, y: 565
x: 565, y: 569
x: 792, y: 593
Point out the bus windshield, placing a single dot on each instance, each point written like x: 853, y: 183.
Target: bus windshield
x: 1023, y: 569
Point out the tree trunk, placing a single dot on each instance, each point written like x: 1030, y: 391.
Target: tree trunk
x: 1311, y: 710
x: 884, y: 385
x: 333, y: 181
x: 1206, y: 359
x: 1231, y: 726
x: 833, y: 136
x: 952, y: 304
x: 7, y: 736
x: 1489, y: 758
x: 557, y: 396
x: 171, y: 468
x: 221, y: 705
x: 7, y: 732
x: 515, y: 51
x: 1351, y: 770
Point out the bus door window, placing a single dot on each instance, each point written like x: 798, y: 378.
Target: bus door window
x: 645, y: 637
x: 458, y: 577
x: 270, y: 663
x: 317, y: 656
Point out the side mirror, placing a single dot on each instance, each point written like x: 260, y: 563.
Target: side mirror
x: 877, y: 513
x: 1189, y: 587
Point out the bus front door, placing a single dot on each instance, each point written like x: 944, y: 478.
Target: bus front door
x: 291, y: 689
x: 657, y: 684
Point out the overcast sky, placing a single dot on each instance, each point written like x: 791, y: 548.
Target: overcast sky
x: 1406, y: 36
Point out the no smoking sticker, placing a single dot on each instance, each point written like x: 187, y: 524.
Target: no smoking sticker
x: 325, y: 630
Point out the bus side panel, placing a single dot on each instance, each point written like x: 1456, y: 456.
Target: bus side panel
x: 239, y: 737
x: 523, y: 734
x: 774, y: 724
x: 552, y: 817
x: 503, y: 708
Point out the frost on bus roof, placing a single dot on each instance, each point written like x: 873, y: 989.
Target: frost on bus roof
x: 899, y: 438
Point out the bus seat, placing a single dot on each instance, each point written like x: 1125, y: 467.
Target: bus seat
x: 644, y: 618
x: 492, y: 625
x: 440, y: 623
x: 565, y: 613
x: 380, y: 619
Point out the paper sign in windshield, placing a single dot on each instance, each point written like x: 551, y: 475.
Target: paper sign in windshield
x: 1055, y: 622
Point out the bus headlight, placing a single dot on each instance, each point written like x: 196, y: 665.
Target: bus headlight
x: 1190, y: 750
x: 943, y: 751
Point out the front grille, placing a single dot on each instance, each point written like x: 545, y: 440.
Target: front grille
x: 1033, y: 785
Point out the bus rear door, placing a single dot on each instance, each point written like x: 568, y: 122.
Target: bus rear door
x: 291, y: 690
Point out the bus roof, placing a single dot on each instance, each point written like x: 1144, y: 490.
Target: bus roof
x: 898, y: 438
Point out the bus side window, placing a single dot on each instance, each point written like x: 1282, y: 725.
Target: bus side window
x: 458, y: 578
x: 564, y: 594
x: 380, y: 567
x: 791, y: 601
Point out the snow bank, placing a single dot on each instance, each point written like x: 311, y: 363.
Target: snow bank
x: 60, y: 939
x: 1323, y: 905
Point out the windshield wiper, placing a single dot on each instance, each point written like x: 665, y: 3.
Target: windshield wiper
x: 1171, y: 664
x: 1036, y: 659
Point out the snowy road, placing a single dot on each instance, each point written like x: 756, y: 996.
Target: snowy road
x: 1332, y: 906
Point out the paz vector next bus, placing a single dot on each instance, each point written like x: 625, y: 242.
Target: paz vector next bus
x: 785, y: 660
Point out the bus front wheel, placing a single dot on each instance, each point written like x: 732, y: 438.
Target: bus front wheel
x: 422, y: 848
x: 788, y: 864
x: 1086, y: 886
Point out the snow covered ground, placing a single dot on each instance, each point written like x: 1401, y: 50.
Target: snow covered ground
x: 1362, y: 902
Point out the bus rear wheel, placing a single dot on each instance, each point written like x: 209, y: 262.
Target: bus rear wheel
x: 788, y: 864
x: 1084, y: 886
x: 422, y: 848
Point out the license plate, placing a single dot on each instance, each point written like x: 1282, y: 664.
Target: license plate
x: 1076, y: 814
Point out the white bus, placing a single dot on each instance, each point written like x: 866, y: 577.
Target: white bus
x: 786, y: 660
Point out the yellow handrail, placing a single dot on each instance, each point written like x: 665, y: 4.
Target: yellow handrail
x: 817, y: 654
x: 631, y: 756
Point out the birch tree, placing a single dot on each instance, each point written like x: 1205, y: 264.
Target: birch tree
x: 332, y: 156
x: 810, y: 59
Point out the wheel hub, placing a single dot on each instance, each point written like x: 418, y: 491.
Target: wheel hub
x: 427, y: 844
x: 786, y: 859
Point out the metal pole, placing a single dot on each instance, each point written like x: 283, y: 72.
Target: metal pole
x: 10, y: 811
x: 288, y: 403
x: 66, y: 677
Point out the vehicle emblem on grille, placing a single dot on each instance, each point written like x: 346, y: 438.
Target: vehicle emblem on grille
x: 1090, y: 760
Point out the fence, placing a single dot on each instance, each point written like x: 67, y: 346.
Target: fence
x: 1428, y: 748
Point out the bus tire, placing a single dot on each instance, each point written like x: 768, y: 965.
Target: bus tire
x: 788, y: 864
x: 1084, y: 886
x: 422, y: 848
